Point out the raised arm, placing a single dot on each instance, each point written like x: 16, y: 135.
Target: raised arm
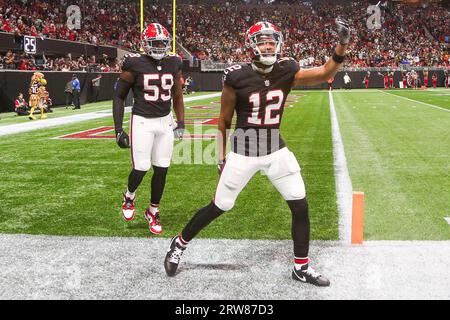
x: 313, y: 76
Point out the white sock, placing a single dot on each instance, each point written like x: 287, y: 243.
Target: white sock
x: 130, y: 195
x: 154, y: 208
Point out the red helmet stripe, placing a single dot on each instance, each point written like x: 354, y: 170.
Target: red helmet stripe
x: 255, y: 28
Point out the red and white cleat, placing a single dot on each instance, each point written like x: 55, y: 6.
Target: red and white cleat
x: 154, y: 224
x: 128, y: 208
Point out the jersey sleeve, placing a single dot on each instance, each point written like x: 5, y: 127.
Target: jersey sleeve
x: 291, y: 65
x: 126, y: 63
x: 230, y: 75
x: 129, y: 61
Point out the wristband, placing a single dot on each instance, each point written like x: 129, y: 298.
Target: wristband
x: 337, y: 58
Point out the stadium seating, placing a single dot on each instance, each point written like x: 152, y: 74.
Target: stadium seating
x: 214, y: 31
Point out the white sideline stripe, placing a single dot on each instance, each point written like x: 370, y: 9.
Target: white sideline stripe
x: 38, y: 124
x: 344, y: 187
x: 447, y: 219
x: 416, y: 101
x: 41, y: 124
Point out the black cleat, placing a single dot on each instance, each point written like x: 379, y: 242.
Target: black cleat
x: 308, y: 275
x: 173, y: 257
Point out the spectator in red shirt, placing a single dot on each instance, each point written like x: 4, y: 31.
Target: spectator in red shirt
x: 33, y: 31
x: 6, y: 26
x: 24, y: 64
x: 21, y: 106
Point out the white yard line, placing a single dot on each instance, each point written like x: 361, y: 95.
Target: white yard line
x: 343, y: 182
x: 47, y: 123
x: 415, y: 101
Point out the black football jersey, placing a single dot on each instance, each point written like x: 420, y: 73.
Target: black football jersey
x: 153, y: 82
x: 260, y: 100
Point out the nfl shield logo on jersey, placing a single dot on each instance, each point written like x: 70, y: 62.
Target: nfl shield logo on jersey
x: 267, y: 83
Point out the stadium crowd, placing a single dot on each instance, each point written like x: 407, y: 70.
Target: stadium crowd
x: 23, y: 61
x: 215, y: 31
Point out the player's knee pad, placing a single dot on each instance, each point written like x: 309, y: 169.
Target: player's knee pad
x: 226, y: 192
x: 229, y: 187
x: 224, y: 204
x: 162, y: 162
x: 142, y: 165
x: 295, y: 194
x: 226, y: 195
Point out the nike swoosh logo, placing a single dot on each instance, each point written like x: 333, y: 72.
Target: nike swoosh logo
x: 300, y: 278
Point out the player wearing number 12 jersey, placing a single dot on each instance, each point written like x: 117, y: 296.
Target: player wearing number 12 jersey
x: 155, y: 80
x: 257, y: 93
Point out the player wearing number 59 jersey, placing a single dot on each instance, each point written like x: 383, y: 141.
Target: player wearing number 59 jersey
x: 257, y: 93
x: 154, y: 78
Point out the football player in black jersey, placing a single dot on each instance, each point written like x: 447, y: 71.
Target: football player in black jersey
x: 154, y: 78
x: 257, y: 92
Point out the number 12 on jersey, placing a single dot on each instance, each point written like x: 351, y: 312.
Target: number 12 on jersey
x: 255, y: 101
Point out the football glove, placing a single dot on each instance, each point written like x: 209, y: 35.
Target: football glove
x: 122, y: 139
x: 221, y: 165
x: 179, y: 130
x: 343, y: 30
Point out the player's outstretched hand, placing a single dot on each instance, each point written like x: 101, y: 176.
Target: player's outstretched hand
x: 343, y: 29
x: 122, y: 139
x: 179, y: 130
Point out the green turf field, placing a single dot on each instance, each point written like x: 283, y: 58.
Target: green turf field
x: 73, y: 187
x: 397, y: 153
x: 437, y: 97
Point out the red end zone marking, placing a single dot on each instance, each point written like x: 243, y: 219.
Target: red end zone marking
x: 96, y: 134
x: 91, y: 134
